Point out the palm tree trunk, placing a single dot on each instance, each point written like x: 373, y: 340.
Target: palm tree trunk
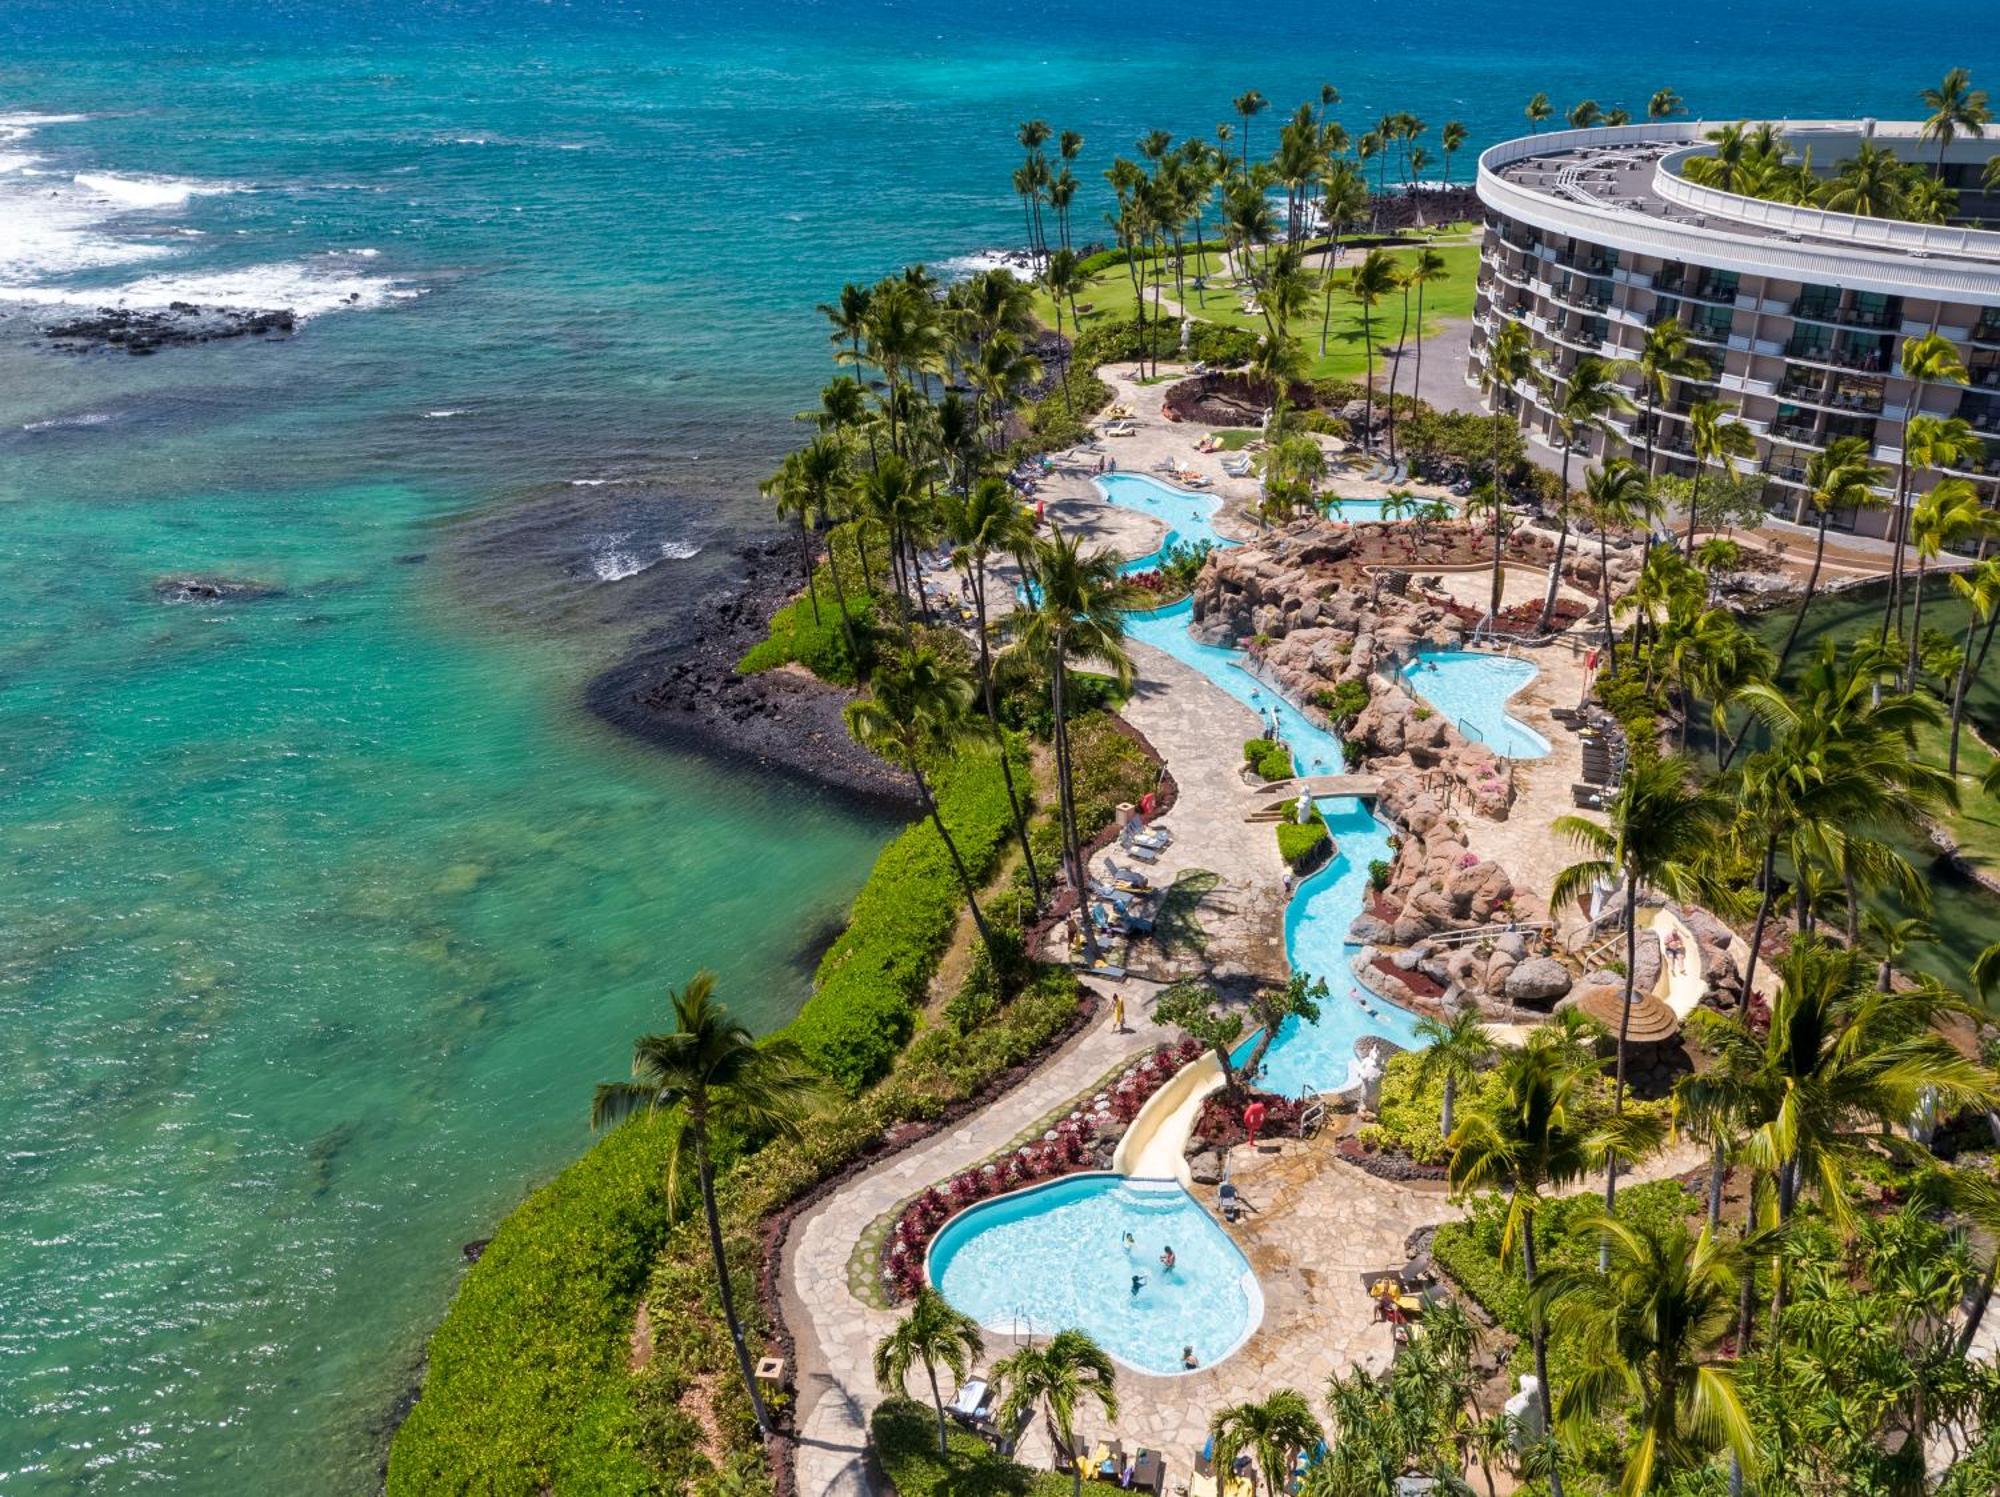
x: 1368, y: 385
x: 806, y: 564
x: 1812, y: 584
x: 1624, y: 1028
x: 1604, y: 595
x: 957, y: 862
x: 1396, y: 370
x: 1562, y: 545
x: 937, y: 1398
x: 1538, y: 1332
x: 705, y: 1169
x: 1450, y: 1098
x: 840, y: 593
x: 1417, y: 374
x: 1770, y: 874
x: 1958, y: 690
x: 1066, y: 802
x: 1718, y: 1171
x: 1694, y: 506
x: 1898, y: 528
x: 1916, y: 621
x: 993, y: 717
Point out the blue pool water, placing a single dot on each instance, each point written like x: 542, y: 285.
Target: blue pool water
x: 1054, y: 1256
x: 1189, y: 514
x: 1472, y: 689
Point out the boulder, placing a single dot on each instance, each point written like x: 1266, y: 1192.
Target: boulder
x: 1537, y: 982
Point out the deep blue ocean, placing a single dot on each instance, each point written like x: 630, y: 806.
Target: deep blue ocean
x: 319, y: 915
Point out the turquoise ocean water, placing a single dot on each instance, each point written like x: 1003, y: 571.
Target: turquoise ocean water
x: 319, y: 914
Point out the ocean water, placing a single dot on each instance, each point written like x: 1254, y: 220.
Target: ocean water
x: 320, y: 913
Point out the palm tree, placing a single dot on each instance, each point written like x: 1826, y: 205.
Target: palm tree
x: 1527, y: 1140
x: 1585, y: 401
x: 1539, y: 109
x: 1664, y: 104
x: 1585, y: 114
x: 1933, y: 442
x: 1455, y: 1049
x: 710, y: 1073
x: 1272, y: 1433
x: 1248, y: 106
x: 916, y: 710
x: 1870, y: 185
x: 1926, y: 360
x: 1950, y: 513
x: 1509, y: 361
x: 1663, y: 358
x: 1715, y: 438
x: 787, y: 489
x: 1078, y: 614
x: 849, y: 319
x: 1663, y: 835
x: 1452, y: 139
x: 1058, y: 1378
x: 1840, y: 477
x: 1427, y: 267
x: 1614, y: 496
x: 931, y: 1336
x: 1980, y: 589
x: 1645, y: 1330
x: 1956, y: 108
x: 985, y: 523
x: 1370, y: 281
x: 1343, y: 199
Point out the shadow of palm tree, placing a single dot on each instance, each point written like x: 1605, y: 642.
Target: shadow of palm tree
x: 1175, y: 926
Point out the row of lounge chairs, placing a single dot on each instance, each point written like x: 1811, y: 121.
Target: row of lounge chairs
x: 1604, y: 754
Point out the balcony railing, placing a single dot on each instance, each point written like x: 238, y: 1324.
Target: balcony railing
x: 1819, y: 311
x: 1987, y: 330
x: 1792, y: 431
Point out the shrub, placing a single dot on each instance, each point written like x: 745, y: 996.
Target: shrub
x: 872, y: 981
x: 1272, y: 761
x: 904, y: 1433
x: 1379, y: 870
x: 1343, y: 703
x: 1108, y: 769
x: 820, y: 645
x: 1407, y: 1120
x: 1032, y: 711
x: 1218, y: 343
x: 1304, y: 846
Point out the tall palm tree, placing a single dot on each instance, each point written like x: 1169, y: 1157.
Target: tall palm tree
x: 1455, y: 1049
x: 1452, y: 139
x: 1538, y: 112
x: 1951, y: 512
x: 787, y: 490
x: 1956, y: 108
x: 1663, y: 835
x: 1647, y: 1330
x: 849, y: 319
x: 1248, y: 106
x: 1584, y: 401
x: 1839, y: 477
x: 1077, y: 614
x: 1715, y: 437
x: 1427, y: 267
x: 1868, y: 185
x: 1664, y: 358
x: 1614, y: 496
x: 1374, y: 278
x: 1584, y: 114
x: 1980, y: 588
x: 987, y: 522
x: 916, y: 710
x: 1527, y: 1141
x: 1509, y: 360
x: 1058, y: 1378
x: 930, y: 1336
x: 1934, y: 443
x: 1930, y: 359
x: 1273, y: 1434
x: 1664, y: 104
x: 1343, y: 199
x: 709, y: 1072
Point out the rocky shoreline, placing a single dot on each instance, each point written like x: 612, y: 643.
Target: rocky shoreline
x: 145, y: 330
x: 687, y: 695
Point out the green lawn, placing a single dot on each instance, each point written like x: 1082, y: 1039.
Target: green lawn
x: 1110, y: 295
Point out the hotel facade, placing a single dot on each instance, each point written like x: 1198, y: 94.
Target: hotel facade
x: 1593, y: 236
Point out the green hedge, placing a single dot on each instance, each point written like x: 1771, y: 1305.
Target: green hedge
x: 525, y: 1372
x: 871, y: 983
x: 904, y: 1433
x: 1271, y: 760
x: 1104, y: 259
x: 1303, y: 844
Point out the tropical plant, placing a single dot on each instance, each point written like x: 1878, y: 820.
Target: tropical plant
x: 1455, y: 1049
x: 1509, y: 362
x: 1343, y: 199
x: 1663, y: 358
x: 1714, y: 438
x: 1869, y: 185
x: 1615, y: 497
x: 1583, y: 401
x: 1374, y: 278
x: 916, y: 709
x: 1647, y: 1329
x: 1953, y: 511
x: 1956, y: 108
x: 1273, y: 1433
x: 1923, y: 441
x: 1980, y: 588
x: 1664, y: 104
x: 1538, y: 112
x: 1839, y: 478
x: 1058, y: 1378
x: 931, y: 1335
x: 710, y: 1073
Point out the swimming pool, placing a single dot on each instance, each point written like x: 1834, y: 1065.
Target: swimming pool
x: 1190, y: 514
x: 1053, y: 1256
x: 1472, y: 690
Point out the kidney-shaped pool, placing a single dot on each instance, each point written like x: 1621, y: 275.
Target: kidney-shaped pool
x: 1054, y: 1256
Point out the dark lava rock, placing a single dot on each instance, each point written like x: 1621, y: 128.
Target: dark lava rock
x: 144, y: 330
x: 196, y: 589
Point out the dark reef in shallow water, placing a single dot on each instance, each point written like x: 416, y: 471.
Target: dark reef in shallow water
x: 198, y: 589
x: 688, y: 696
x: 143, y: 330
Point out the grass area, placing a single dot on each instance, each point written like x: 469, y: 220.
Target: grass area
x: 1110, y: 296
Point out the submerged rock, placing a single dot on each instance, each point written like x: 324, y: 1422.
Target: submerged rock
x: 143, y: 330
x: 194, y: 588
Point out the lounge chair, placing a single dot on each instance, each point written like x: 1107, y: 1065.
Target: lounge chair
x: 1155, y: 839
x: 1128, y: 879
x: 973, y: 1401
x: 1228, y: 1201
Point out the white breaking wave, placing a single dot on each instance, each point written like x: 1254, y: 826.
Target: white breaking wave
x: 444, y: 415
x: 20, y: 126
x: 598, y: 483
x: 618, y: 559
x: 1017, y: 263
x: 148, y: 192
x: 56, y: 423
x: 301, y: 288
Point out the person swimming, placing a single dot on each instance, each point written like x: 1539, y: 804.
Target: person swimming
x: 1188, y: 1359
x: 1167, y: 1258
x: 1138, y: 1283
x: 1129, y: 1239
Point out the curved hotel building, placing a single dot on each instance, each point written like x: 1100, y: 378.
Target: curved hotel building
x: 1593, y: 236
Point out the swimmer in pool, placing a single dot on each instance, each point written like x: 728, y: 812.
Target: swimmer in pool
x: 1138, y: 1283
x: 1188, y: 1358
x: 1128, y: 1239
x: 1167, y: 1258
